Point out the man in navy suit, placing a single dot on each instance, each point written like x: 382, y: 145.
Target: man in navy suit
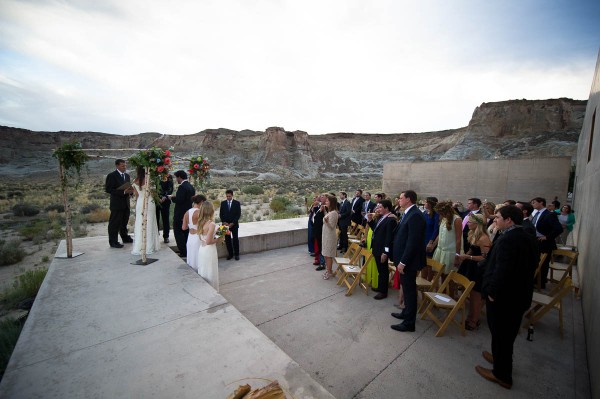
x: 344, y: 220
x: 408, y: 254
x: 357, y: 207
x: 230, y: 213
x: 381, y: 244
x: 183, y: 202
x: 547, y: 229
x: 119, y: 204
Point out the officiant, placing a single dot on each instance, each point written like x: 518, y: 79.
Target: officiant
x: 119, y: 187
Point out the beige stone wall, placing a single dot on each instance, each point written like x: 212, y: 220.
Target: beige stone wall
x: 494, y: 180
x: 587, y: 228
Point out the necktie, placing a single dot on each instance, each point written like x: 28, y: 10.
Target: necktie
x: 123, y: 176
x: 229, y: 205
x: 535, y: 218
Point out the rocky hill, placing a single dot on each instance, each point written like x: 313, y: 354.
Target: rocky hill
x: 508, y: 129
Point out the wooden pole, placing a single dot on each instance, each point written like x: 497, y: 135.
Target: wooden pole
x: 65, y: 194
x: 145, y: 213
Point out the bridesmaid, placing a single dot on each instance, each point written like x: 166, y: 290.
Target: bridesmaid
x: 190, y: 221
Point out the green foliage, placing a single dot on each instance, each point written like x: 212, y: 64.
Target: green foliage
x: 89, y: 208
x: 72, y: 158
x: 25, y: 210
x: 10, y: 329
x: 11, y: 252
x: 278, y: 204
x: 158, y: 162
x: 55, y: 207
x: 26, y: 286
x: 253, y: 189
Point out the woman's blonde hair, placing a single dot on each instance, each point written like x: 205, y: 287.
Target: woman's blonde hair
x: 207, y: 214
x: 481, y: 230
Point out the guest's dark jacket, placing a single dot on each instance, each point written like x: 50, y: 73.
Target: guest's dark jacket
x: 345, y: 213
x: 183, y: 199
x: 119, y: 200
x: 166, y: 189
x: 509, y: 271
x: 318, y: 223
x: 548, y: 225
x: 231, y: 215
x: 528, y: 227
x: 383, y: 235
x: 357, y: 207
x: 408, y: 241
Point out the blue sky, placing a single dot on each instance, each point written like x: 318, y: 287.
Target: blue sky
x: 180, y: 67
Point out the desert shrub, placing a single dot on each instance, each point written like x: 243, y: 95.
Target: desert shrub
x: 26, y: 286
x: 11, y: 252
x: 25, y: 210
x: 55, y: 207
x: 14, y: 194
x: 94, y: 195
x: 281, y: 191
x: 99, y: 215
x: 89, y: 208
x: 284, y: 215
x: 10, y: 329
x: 265, y: 199
x: 253, y: 189
x: 278, y: 204
x: 258, y: 218
x: 37, y: 228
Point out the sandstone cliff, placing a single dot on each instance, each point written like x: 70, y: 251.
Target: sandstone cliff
x: 508, y: 129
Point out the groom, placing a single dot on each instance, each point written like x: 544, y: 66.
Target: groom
x: 183, y: 202
x: 119, y: 204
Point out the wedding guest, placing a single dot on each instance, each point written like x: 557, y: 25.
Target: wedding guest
x: 119, y: 204
x: 493, y: 229
x: 448, y: 242
x: 488, y: 209
x: 329, y: 239
x: 345, y: 213
x: 311, y: 211
x: 567, y: 220
x: 432, y: 218
x: 143, y: 191
x: 164, y: 208
x: 383, y: 234
x: 318, y: 216
x: 190, y: 222
x: 230, y: 214
x: 183, y: 202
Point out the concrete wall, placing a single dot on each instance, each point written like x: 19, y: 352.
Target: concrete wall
x: 494, y: 180
x: 587, y: 227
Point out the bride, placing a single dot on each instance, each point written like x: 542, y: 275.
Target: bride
x: 208, y: 259
x: 152, y: 236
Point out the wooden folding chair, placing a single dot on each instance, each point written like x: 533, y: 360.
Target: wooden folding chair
x: 542, y: 304
x: 352, y: 273
x: 424, y: 285
x: 559, y: 269
x: 446, y: 303
x: 353, y: 251
x: 537, y: 276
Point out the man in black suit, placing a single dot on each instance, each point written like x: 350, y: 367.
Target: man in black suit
x: 473, y: 206
x: 408, y: 254
x: 367, y: 207
x: 357, y: 203
x: 164, y: 208
x: 527, y: 210
x: 508, y: 289
x: 381, y: 244
x: 547, y: 229
x: 230, y: 213
x: 318, y: 215
x: 183, y: 202
x: 344, y: 221
x: 119, y: 204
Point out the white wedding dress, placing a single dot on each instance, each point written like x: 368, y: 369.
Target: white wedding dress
x: 152, y: 236
x: 193, y: 242
x: 208, y: 262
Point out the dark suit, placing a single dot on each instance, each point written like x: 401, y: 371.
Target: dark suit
x: 383, y: 235
x: 508, y: 280
x: 357, y: 208
x: 528, y: 227
x: 408, y: 249
x: 318, y: 233
x: 232, y: 215
x: 344, y: 222
x: 183, y: 202
x: 547, y: 224
x: 163, y: 209
x: 119, y: 207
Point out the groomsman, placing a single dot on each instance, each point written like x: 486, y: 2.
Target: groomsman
x: 119, y: 204
x: 183, y: 202
x: 357, y: 206
x: 166, y: 189
x: 344, y: 221
x: 230, y: 213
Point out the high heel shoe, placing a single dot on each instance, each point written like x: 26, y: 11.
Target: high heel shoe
x: 326, y: 276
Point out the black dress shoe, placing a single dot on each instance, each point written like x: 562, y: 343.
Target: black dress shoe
x: 229, y: 257
x: 321, y: 267
x: 166, y: 240
x: 237, y: 257
x: 403, y: 327
x: 400, y: 316
x: 380, y: 296
x: 116, y: 245
x: 375, y: 289
x: 127, y: 240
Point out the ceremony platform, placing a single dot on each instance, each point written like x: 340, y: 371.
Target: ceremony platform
x: 102, y: 327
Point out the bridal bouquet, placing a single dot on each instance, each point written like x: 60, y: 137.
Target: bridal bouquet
x: 222, y: 231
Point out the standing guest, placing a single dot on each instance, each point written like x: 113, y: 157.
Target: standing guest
x: 330, y: 221
x: 473, y: 265
x: 567, y: 220
x: 367, y: 207
x: 311, y: 212
x: 473, y: 206
x: 547, y: 228
x: 510, y: 202
x: 164, y: 208
x: 230, y: 214
x: 508, y: 289
x: 119, y: 204
x: 397, y: 210
x: 554, y: 206
x: 183, y: 202
x: 344, y: 221
x: 357, y: 207
x: 190, y: 223
x: 409, y: 257
x: 381, y: 244
x: 448, y: 241
x: 489, y: 212
x: 318, y: 216
x: 493, y: 229
x: 432, y: 218
x: 527, y: 210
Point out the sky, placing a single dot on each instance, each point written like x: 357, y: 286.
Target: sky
x: 320, y: 66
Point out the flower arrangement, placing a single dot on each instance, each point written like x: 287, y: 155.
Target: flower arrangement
x: 158, y: 162
x: 70, y: 156
x: 222, y: 231
x: 199, y: 171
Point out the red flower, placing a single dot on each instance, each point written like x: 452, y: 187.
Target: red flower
x: 196, y: 166
x: 167, y: 160
x: 168, y: 153
x: 191, y: 171
x: 204, y: 161
x: 160, y: 169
